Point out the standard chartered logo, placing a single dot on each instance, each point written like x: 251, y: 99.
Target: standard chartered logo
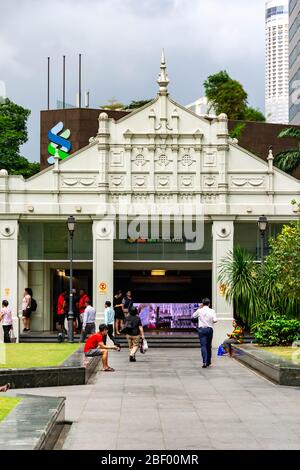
x: 59, y: 142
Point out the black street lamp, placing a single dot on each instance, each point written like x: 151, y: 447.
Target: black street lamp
x: 262, y: 225
x: 71, y: 222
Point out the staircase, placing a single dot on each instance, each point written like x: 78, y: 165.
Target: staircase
x: 155, y: 340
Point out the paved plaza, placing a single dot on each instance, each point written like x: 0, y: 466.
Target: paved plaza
x: 167, y: 401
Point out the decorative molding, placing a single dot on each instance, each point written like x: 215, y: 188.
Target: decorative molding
x: 163, y: 181
x: 210, y: 158
x: 139, y: 180
x: 246, y: 182
x: 117, y: 158
x: 209, y: 181
x: 117, y: 180
x: 186, y: 180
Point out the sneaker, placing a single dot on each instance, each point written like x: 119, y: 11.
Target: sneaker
x: 132, y: 359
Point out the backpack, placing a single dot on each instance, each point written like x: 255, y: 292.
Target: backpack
x: 33, y: 306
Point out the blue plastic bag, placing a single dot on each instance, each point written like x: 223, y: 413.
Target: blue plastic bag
x: 221, y: 351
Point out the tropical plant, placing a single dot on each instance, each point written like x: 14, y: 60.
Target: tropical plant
x: 254, y: 114
x: 289, y: 160
x: 238, y: 274
x: 237, y: 131
x: 13, y: 134
x: 279, y: 331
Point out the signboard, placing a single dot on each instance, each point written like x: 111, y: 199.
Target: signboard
x: 59, y: 142
x: 102, y: 287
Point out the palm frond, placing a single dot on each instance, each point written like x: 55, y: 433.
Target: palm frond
x: 290, y: 132
x: 288, y: 160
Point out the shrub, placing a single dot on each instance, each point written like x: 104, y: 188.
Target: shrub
x: 279, y: 331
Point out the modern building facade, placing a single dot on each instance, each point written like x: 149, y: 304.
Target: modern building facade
x: 160, y: 197
x: 294, y: 61
x: 201, y: 107
x: 277, y: 61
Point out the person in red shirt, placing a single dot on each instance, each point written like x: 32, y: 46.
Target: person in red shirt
x: 82, y: 300
x: 95, y: 346
x: 61, y: 309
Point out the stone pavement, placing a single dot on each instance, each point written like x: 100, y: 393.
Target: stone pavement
x: 167, y: 401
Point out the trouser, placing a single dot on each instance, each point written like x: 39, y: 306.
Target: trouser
x: 94, y: 352
x: 227, y: 344
x: 6, y: 330
x: 90, y: 328
x: 205, y: 337
x: 110, y: 333
x: 133, y: 344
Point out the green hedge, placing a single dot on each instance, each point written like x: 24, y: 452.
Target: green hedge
x: 279, y: 331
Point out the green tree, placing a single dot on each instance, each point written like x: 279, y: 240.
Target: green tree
x: 262, y: 291
x: 289, y: 160
x: 137, y: 104
x: 254, y: 114
x: 228, y: 96
x: 113, y: 104
x: 13, y: 134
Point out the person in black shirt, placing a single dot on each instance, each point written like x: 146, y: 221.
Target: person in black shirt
x: 119, y: 315
x: 127, y: 303
x: 135, y: 333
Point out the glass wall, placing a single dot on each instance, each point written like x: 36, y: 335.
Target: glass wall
x: 49, y: 241
x: 163, y: 247
x: 247, y: 236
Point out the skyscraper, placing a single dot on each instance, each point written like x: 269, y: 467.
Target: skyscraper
x: 277, y: 61
x: 294, y: 38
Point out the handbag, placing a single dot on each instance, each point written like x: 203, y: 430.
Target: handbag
x: 221, y: 350
x: 144, y: 346
x: 12, y: 337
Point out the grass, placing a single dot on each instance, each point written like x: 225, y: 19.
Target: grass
x: 7, y: 405
x: 283, y: 351
x: 21, y: 356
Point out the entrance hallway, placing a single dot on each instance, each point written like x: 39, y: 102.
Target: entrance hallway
x: 167, y: 401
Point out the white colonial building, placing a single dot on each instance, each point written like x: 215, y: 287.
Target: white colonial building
x: 159, y: 156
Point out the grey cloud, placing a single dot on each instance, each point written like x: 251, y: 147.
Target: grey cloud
x: 121, y: 42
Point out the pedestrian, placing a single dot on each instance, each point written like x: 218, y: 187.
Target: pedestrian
x: 134, y: 333
x: 6, y: 318
x: 5, y: 387
x: 26, y: 309
x: 83, y: 297
x: 127, y: 303
x: 119, y: 314
x: 109, y: 320
x: 77, y: 317
x: 61, y: 310
x: 206, y: 320
x: 236, y: 337
x: 95, y: 346
x: 88, y: 324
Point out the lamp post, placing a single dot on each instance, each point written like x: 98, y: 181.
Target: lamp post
x: 71, y: 221
x: 262, y: 225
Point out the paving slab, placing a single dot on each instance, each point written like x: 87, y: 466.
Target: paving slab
x: 166, y: 401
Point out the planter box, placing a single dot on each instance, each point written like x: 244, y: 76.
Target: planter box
x: 271, y: 366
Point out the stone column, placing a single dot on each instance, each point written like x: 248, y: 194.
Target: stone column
x: 9, y: 267
x: 103, y: 267
x: 222, y: 243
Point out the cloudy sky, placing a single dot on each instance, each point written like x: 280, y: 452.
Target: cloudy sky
x: 120, y: 42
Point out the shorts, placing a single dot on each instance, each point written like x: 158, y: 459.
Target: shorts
x: 93, y: 352
x: 133, y: 341
x: 26, y: 313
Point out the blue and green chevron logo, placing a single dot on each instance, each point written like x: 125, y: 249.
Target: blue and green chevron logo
x: 59, y: 142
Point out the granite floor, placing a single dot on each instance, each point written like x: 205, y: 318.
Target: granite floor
x: 167, y: 401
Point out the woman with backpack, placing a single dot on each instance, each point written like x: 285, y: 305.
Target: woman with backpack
x: 28, y: 306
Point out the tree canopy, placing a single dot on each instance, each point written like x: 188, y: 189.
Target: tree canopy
x: 13, y: 134
x: 228, y: 96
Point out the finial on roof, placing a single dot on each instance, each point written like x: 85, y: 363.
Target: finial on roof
x: 270, y: 155
x: 163, y: 79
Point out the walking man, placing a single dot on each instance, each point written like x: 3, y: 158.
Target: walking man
x: 88, y: 321
x: 206, y: 320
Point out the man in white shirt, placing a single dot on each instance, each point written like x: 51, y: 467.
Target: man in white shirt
x: 88, y: 321
x: 206, y: 320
